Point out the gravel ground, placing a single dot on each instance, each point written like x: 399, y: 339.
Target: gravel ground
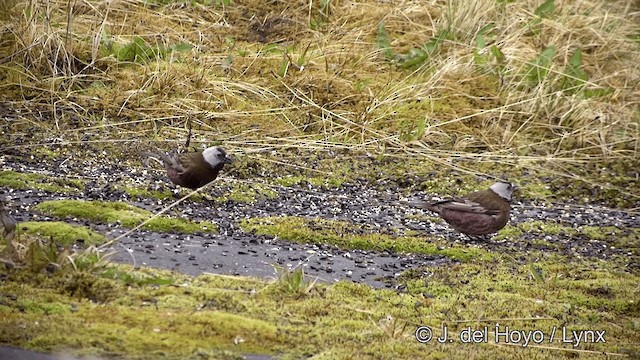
x: 233, y: 251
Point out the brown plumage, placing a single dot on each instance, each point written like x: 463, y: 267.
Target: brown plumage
x: 476, y: 214
x: 7, y: 222
x: 195, y: 169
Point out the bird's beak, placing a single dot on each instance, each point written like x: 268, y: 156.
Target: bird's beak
x: 228, y: 159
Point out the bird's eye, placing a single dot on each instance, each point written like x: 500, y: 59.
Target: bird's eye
x: 221, y: 155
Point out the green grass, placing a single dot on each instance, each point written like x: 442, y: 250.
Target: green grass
x: 140, y: 51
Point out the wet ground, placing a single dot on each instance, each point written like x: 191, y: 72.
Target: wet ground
x: 372, y: 206
x: 12, y: 353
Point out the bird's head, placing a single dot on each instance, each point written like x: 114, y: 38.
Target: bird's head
x: 504, y: 189
x: 215, y: 156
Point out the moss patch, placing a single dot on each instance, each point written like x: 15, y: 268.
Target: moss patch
x: 591, y: 298
x: 248, y: 193
x: 553, y: 228
x: 215, y: 317
x: 26, y: 181
x: 350, y: 236
x: 121, y: 213
x: 62, y: 233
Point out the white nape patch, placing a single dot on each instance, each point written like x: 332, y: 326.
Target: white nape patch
x: 503, y: 189
x: 210, y: 155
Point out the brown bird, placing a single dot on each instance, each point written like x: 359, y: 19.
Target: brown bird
x: 8, y: 224
x: 195, y: 169
x: 476, y: 214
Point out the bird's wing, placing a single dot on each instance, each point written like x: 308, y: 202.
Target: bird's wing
x: 189, y: 158
x: 465, y: 205
x: 457, y: 204
x: 173, y: 161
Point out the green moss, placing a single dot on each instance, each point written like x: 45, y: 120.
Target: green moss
x: 599, y: 233
x: 41, y: 152
x: 554, y: 228
x: 544, y: 244
x: 465, y: 123
x: 536, y: 190
x: 550, y: 228
x: 138, y: 330
x: 217, y: 317
x: 537, y: 226
x: 509, y: 291
x: 508, y: 232
x: 122, y: 213
x: 26, y: 181
x: 248, y: 193
x: 17, y: 180
x: 129, y: 277
x: 349, y: 236
x: 290, y: 180
x: 62, y: 233
x: 109, y: 212
x: 167, y: 224
x: 38, y: 307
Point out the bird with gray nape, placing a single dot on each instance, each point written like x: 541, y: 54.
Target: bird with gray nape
x: 477, y: 214
x: 194, y: 169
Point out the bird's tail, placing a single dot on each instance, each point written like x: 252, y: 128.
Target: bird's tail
x: 412, y: 203
x: 162, y: 158
x: 148, y: 155
x: 417, y: 203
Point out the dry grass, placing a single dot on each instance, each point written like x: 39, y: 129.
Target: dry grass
x: 551, y: 86
x: 332, y: 74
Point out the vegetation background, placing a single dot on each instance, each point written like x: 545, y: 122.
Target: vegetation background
x: 545, y: 94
